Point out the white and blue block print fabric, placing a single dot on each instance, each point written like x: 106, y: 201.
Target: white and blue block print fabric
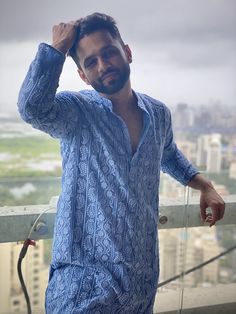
x: 105, y: 248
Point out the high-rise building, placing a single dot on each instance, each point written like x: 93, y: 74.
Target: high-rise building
x: 181, y: 249
x: 214, y: 155
x: 35, y: 274
x: 210, y: 249
x: 202, y: 144
x: 188, y: 148
x: 183, y: 116
x: 232, y: 170
x: 168, y: 252
x: 170, y: 188
x: 209, y: 154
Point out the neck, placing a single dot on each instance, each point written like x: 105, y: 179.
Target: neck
x: 123, y: 100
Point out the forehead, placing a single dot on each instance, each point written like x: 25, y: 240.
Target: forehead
x: 91, y: 44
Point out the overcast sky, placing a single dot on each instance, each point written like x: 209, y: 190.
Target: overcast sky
x: 183, y: 50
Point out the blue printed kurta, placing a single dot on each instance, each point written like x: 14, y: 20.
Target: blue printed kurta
x: 105, y: 248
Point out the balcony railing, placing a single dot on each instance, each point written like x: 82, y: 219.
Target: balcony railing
x: 15, y: 223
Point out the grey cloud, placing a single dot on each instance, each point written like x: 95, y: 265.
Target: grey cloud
x: 189, y: 21
x: 143, y: 21
x: 193, y: 54
x: 185, y: 32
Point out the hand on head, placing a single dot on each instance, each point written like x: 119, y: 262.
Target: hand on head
x: 63, y: 36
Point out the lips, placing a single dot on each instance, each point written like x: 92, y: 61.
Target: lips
x: 109, y: 74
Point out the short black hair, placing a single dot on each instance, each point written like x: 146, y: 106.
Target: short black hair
x: 90, y: 24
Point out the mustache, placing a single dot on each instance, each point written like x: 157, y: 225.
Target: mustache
x: 109, y: 71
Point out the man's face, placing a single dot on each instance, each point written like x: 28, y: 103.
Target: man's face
x: 104, y: 62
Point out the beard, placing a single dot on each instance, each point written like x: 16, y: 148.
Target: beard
x: 113, y: 85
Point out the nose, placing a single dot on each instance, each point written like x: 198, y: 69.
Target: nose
x: 103, y: 64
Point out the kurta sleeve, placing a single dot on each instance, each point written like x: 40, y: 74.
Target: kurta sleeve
x: 173, y: 161
x: 38, y: 103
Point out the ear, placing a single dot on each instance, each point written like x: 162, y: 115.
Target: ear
x: 128, y: 53
x: 83, y: 76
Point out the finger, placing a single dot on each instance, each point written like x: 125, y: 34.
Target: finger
x: 203, y: 215
x: 214, y: 218
x: 222, y: 210
x: 61, y: 24
x: 218, y: 211
x: 74, y: 23
x: 209, y: 217
x: 203, y: 212
x: 215, y: 215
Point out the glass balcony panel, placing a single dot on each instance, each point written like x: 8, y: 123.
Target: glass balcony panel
x: 28, y: 191
x: 215, y: 283
x: 172, y: 247
x: 180, y: 249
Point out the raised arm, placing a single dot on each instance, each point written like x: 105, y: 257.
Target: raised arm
x: 38, y: 103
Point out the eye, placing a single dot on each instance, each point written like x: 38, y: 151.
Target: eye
x: 109, y: 53
x: 90, y: 63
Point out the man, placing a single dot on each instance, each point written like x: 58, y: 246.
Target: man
x: 114, y: 141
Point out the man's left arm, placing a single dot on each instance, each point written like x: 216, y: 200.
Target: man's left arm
x: 209, y: 198
x: 176, y: 164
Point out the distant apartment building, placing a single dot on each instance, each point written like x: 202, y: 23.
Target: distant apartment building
x: 188, y: 148
x: 232, y: 170
x: 214, y: 156
x: 181, y: 250
x: 183, y: 116
x: 210, y: 247
x: 35, y: 274
x: 202, y: 144
x: 209, y: 152
x: 168, y: 253
x: 170, y: 188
